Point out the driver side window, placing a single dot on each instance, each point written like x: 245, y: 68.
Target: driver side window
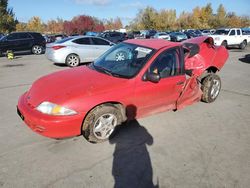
x: 166, y: 64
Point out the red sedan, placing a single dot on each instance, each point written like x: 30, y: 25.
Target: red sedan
x: 133, y: 79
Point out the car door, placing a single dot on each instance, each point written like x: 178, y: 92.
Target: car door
x: 232, y: 38
x: 156, y: 97
x: 239, y: 36
x: 83, y: 48
x: 100, y: 46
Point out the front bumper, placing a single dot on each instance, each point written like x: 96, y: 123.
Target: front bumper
x: 47, y: 125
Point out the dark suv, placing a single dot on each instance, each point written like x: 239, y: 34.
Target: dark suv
x: 23, y: 41
x: 114, y: 37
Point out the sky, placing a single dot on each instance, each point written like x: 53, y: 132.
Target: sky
x: 105, y: 9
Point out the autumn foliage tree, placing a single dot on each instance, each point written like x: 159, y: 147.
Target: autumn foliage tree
x: 199, y: 18
x: 113, y: 24
x: 35, y: 24
x: 54, y: 26
x: 81, y: 24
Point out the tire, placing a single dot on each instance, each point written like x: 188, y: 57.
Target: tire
x: 73, y: 60
x: 211, y: 86
x: 99, y: 125
x: 36, y: 49
x: 224, y: 43
x: 243, y: 45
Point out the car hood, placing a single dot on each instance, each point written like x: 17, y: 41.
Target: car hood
x: 64, y: 86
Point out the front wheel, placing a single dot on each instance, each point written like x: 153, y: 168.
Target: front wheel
x: 211, y: 86
x: 100, y: 123
x: 36, y: 49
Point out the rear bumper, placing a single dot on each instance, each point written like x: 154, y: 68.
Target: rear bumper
x: 55, y: 56
x: 47, y: 125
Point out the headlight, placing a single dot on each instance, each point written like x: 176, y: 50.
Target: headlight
x: 54, y: 109
x: 217, y: 38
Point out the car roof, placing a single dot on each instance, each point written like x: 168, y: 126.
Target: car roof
x: 153, y: 43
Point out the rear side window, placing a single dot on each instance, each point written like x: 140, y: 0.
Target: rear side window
x: 36, y: 35
x: 84, y: 41
x: 24, y: 36
x: 98, y: 41
x: 238, y: 32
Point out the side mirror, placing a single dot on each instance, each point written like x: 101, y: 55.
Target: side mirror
x: 152, y: 77
x: 189, y: 72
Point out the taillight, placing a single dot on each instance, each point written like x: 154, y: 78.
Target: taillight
x: 58, y: 47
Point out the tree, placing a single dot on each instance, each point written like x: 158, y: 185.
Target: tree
x: 55, y: 26
x: 235, y: 21
x: 7, y: 20
x: 81, y: 24
x: 165, y: 20
x: 220, y: 18
x: 184, y: 21
x: 21, y: 27
x: 113, y: 24
x: 35, y: 24
x: 206, y: 16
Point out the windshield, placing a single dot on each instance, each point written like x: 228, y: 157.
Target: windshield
x: 123, y: 60
x: 221, y: 32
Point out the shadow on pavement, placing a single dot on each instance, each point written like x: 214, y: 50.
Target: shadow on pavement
x: 245, y: 59
x: 131, y: 163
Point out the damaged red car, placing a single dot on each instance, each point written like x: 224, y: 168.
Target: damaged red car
x: 133, y: 79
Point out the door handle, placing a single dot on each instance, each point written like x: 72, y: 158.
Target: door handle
x: 180, y: 83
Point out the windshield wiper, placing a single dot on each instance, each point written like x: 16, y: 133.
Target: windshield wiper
x: 106, y: 71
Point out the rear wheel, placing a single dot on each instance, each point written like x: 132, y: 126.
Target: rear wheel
x: 211, y: 86
x: 100, y: 123
x: 36, y: 49
x: 243, y: 45
x: 73, y: 60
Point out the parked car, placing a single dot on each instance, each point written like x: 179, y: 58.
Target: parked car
x: 134, y: 35
x: 146, y: 34
x: 189, y: 34
x: 178, y: 36
x: 133, y: 79
x: 91, y: 33
x: 231, y: 37
x: 206, y: 32
x: 113, y: 36
x: 75, y: 50
x: 23, y: 41
x: 162, y: 35
x: 60, y: 37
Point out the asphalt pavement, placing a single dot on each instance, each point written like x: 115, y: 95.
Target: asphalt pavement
x: 201, y: 146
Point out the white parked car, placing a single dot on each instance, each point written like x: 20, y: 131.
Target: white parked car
x: 231, y: 37
x: 162, y: 35
x: 75, y: 50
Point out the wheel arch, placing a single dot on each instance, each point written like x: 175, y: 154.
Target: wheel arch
x: 116, y: 104
x: 209, y: 70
